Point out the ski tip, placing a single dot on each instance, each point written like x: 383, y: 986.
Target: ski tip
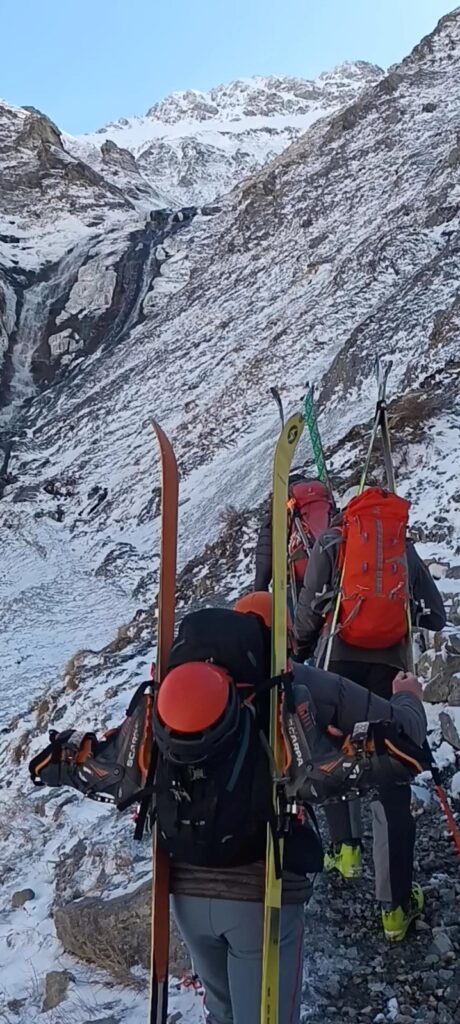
x: 158, y: 430
x: 166, y: 448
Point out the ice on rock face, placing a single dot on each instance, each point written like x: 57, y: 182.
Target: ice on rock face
x: 92, y: 291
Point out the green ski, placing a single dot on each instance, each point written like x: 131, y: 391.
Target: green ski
x: 311, y: 424
x: 284, y: 453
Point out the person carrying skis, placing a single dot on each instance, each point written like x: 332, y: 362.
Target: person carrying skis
x: 310, y: 510
x: 213, y: 794
x: 213, y: 801
x: 382, y: 580
x: 219, y: 912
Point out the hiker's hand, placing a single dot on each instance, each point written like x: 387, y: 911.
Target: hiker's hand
x: 406, y: 682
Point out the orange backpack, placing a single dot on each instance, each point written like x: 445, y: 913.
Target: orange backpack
x: 374, y: 572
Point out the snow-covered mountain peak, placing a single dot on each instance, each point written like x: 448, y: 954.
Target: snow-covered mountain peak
x: 265, y: 95
x: 258, y: 96
x: 193, y: 146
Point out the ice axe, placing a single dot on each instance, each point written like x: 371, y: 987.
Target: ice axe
x: 279, y: 401
x: 442, y: 797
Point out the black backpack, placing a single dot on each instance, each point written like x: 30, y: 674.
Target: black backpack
x: 212, y: 815
x: 240, y: 643
x: 215, y: 814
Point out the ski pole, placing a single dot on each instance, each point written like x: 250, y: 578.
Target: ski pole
x: 391, y: 483
x: 382, y: 377
x: 293, y: 589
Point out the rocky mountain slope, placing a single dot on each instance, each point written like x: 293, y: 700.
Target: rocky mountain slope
x: 84, y: 220
x: 344, y: 246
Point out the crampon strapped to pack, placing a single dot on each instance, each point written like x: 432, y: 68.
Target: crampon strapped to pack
x: 322, y: 764
x: 113, y: 769
x: 309, y: 509
x: 373, y: 568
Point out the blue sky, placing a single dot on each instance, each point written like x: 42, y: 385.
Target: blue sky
x: 86, y: 62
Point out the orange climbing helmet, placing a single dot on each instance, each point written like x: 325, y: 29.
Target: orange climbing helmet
x: 260, y: 603
x: 196, y: 713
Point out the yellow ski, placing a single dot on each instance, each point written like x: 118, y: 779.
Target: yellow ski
x: 284, y: 453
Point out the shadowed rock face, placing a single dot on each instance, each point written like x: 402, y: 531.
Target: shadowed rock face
x: 84, y: 301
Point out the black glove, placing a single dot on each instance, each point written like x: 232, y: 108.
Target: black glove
x: 301, y: 655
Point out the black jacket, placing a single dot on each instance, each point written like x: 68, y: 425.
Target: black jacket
x: 342, y: 703
x: 321, y: 578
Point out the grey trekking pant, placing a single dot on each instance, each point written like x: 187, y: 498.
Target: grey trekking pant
x: 393, y: 830
x: 392, y: 823
x: 224, y: 938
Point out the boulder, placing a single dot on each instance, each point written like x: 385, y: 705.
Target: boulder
x: 21, y: 897
x: 114, y: 933
x: 450, y: 729
x: 455, y: 786
x: 441, y: 671
x: 454, y: 643
x: 454, y: 611
x: 453, y: 693
x: 56, y: 985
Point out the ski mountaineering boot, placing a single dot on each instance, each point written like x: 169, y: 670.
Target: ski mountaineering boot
x: 345, y: 858
x: 396, y: 921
